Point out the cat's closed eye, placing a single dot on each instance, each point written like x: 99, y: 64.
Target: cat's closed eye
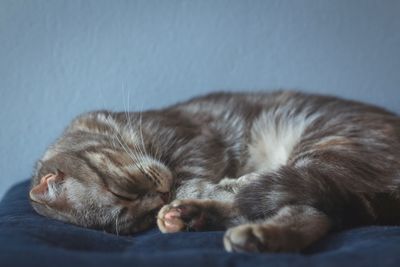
x: 130, y: 198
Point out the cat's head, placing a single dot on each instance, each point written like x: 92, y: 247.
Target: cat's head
x: 93, y: 181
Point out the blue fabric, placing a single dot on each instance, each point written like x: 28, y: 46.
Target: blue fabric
x: 28, y: 239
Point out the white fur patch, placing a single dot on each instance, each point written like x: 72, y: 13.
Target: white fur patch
x: 272, y: 140
x: 301, y: 163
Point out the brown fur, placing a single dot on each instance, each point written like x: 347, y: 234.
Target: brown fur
x: 280, y: 170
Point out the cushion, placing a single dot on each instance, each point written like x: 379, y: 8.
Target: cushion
x: 28, y: 239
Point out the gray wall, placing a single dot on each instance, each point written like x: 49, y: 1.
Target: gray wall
x: 60, y: 58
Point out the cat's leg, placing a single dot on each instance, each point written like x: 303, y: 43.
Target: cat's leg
x: 292, y: 228
x: 299, y: 203
x: 197, y: 215
x: 235, y: 184
x: 211, y: 209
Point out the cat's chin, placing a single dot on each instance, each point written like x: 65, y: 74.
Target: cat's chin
x: 44, y: 210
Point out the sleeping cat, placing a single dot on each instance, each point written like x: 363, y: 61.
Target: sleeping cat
x: 277, y: 170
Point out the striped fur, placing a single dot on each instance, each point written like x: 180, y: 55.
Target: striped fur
x: 260, y: 163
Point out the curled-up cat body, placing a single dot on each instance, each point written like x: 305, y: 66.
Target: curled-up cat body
x: 277, y: 171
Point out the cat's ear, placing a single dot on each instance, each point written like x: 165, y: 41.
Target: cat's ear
x: 48, y: 189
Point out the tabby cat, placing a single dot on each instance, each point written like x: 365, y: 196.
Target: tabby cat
x: 277, y: 170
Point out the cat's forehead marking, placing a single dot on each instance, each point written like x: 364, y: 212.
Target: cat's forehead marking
x: 116, y: 166
x: 102, y: 161
x: 120, y: 130
x: 107, y: 119
x: 106, y: 123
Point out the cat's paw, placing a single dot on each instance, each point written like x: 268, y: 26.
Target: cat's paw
x: 181, y: 215
x: 258, y: 238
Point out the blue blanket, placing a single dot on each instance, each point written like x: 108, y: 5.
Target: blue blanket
x: 28, y: 239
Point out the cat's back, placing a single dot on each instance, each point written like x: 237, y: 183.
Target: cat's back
x: 251, y: 104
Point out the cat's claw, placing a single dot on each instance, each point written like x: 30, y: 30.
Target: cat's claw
x: 180, y: 215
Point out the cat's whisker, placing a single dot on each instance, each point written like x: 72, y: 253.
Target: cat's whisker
x: 141, y: 150
x: 108, y: 114
x: 117, y: 133
x: 124, y: 145
x: 128, y: 117
x: 141, y: 131
x: 155, y: 150
x: 129, y: 152
x: 116, y: 225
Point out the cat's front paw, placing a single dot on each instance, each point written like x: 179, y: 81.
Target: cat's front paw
x: 180, y: 215
x: 259, y: 238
